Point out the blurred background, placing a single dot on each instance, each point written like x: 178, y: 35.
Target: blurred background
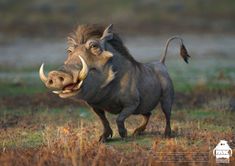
x: 32, y: 32
x: 55, y: 18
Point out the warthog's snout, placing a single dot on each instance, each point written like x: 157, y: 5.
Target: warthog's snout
x: 58, y: 80
x: 66, y: 84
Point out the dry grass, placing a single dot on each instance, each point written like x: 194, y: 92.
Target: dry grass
x: 195, y: 134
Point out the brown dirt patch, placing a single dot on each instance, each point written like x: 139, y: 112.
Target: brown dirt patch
x: 197, y: 98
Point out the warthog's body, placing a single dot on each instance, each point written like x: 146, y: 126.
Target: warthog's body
x: 113, y: 80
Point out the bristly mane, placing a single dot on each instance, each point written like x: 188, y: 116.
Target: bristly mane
x: 88, y: 31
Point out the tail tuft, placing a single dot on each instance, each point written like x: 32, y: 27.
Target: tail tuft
x: 184, y: 53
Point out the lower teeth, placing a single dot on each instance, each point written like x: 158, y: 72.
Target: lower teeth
x: 66, y: 91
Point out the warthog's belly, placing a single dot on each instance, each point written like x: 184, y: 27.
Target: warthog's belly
x: 113, y: 110
x: 108, y: 106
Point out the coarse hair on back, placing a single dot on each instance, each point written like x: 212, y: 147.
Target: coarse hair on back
x: 87, y: 31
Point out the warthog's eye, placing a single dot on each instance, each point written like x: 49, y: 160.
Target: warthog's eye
x: 93, y: 45
x: 70, y: 49
x: 95, y: 48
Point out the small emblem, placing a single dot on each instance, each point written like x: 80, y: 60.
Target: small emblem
x: 222, y: 152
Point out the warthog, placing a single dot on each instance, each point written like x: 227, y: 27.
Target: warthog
x: 100, y: 71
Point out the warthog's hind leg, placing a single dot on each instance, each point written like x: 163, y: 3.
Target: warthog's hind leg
x: 166, y: 105
x: 107, y: 133
x: 143, y: 125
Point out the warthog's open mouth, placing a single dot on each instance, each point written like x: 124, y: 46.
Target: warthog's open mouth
x: 69, y: 90
x: 65, y: 84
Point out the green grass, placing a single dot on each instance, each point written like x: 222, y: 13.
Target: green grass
x: 212, y: 74
x: 142, y: 140
x: 47, y: 115
x: 23, y: 140
x: 26, y: 69
x: 185, y: 78
x: 200, y: 114
x: 30, y: 125
x: 13, y: 89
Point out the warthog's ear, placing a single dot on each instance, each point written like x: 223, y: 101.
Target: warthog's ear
x: 107, y: 35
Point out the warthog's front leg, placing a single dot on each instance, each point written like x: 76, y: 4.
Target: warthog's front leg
x: 126, y: 112
x: 107, y: 129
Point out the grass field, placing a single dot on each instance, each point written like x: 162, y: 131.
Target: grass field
x: 38, y: 128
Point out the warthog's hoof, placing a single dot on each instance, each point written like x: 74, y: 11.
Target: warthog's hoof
x: 124, y: 139
x: 123, y: 133
x: 106, y: 135
x: 168, y: 133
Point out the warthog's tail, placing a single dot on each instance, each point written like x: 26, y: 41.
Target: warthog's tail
x: 183, y: 50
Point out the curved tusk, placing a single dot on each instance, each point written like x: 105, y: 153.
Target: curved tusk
x: 57, y: 92
x: 83, y: 73
x: 78, y: 86
x: 75, y: 74
x: 41, y: 74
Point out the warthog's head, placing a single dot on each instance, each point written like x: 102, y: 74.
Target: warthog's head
x: 88, y: 59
